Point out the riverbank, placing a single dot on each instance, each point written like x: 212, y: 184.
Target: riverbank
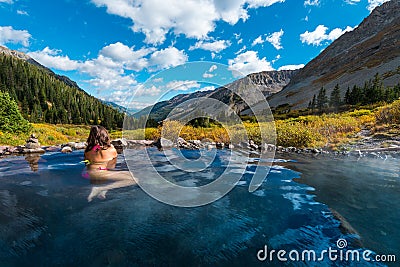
x: 363, y: 129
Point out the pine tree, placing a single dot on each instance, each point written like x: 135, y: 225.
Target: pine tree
x: 335, y: 100
x: 322, y: 100
x: 11, y: 119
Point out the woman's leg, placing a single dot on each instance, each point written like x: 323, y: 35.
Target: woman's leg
x: 120, y: 178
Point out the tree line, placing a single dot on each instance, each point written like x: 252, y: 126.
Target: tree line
x: 373, y: 91
x: 42, y: 97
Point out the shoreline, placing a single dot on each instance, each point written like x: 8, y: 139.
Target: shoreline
x: 363, y: 147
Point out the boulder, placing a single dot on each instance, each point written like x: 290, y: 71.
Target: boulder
x: 119, y: 143
x: 163, y: 143
x: 76, y: 146
x: 66, y: 149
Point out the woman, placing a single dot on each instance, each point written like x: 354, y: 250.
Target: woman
x: 101, y: 158
x: 100, y: 153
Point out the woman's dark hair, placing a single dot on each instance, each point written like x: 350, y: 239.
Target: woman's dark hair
x: 98, y: 136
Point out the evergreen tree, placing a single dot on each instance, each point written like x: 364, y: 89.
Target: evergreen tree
x: 335, y: 100
x: 37, y: 91
x: 322, y: 100
x: 11, y: 119
x: 347, y: 96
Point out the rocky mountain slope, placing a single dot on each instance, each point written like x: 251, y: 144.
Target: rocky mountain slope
x: 373, y: 47
x: 268, y: 82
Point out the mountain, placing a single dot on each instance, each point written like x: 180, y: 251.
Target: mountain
x: 268, y: 82
x: 44, y: 96
x: 354, y: 58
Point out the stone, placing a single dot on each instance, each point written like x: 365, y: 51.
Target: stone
x: 53, y: 149
x: 66, y: 149
x: 76, y: 146
x: 32, y: 142
x: 33, y: 150
x: 120, y: 143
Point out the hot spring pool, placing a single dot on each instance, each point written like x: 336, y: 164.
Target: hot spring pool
x: 46, y: 219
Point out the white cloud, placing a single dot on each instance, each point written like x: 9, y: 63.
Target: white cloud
x: 130, y: 58
x: 179, y: 85
x: 248, y: 62
x: 311, y: 3
x: 275, y: 39
x: 258, y: 40
x: 215, y: 46
x: 209, y: 73
x: 374, y: 3
x: 10, y: 35
x: 207, y: 88
x: 105, y: 73
x: 51, y: 58
x: 262, y: 3
x: 22, y: 12
x: 151, y: 91
x: 123, y: 98
x: 193, y: 18
x: 241, y: 50
x: 291, y: 67
x: 6, y: 1
x: 320, y: 35
x: 168, y: 57
x: 352, y: 2
x: 109, y: 69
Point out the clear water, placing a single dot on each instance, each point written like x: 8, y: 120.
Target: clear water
x: 46, y: 220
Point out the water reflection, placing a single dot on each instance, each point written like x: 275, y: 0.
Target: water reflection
x: 33, y: 160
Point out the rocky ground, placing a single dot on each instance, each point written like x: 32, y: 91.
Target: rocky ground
x: 367, y: 144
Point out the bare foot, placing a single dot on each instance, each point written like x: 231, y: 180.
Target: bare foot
x: 102, y: 194
x: 95, y: 192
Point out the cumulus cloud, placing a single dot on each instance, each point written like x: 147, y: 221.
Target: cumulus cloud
x: 109, y: 70
x: 291, y: 67
x: 131, y: 59
x: 374, y: 3
x: 51, y: 58
x: 320, y: 35
x: 248, y: 62
x: 311, y: 3
x: 10, y: 35
x: 275, y: 39
x: 215, y: 46
x: 192, y: 18
x: 168, y: 57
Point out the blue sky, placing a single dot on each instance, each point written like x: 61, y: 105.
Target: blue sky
x: 112, y: 47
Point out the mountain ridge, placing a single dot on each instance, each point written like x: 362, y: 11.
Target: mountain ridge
x: 268, y: 82
x: 352, y: 59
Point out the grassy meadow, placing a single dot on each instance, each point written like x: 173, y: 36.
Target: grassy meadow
x: 311, y: 131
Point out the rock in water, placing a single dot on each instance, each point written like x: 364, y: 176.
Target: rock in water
x: 66, y: 149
